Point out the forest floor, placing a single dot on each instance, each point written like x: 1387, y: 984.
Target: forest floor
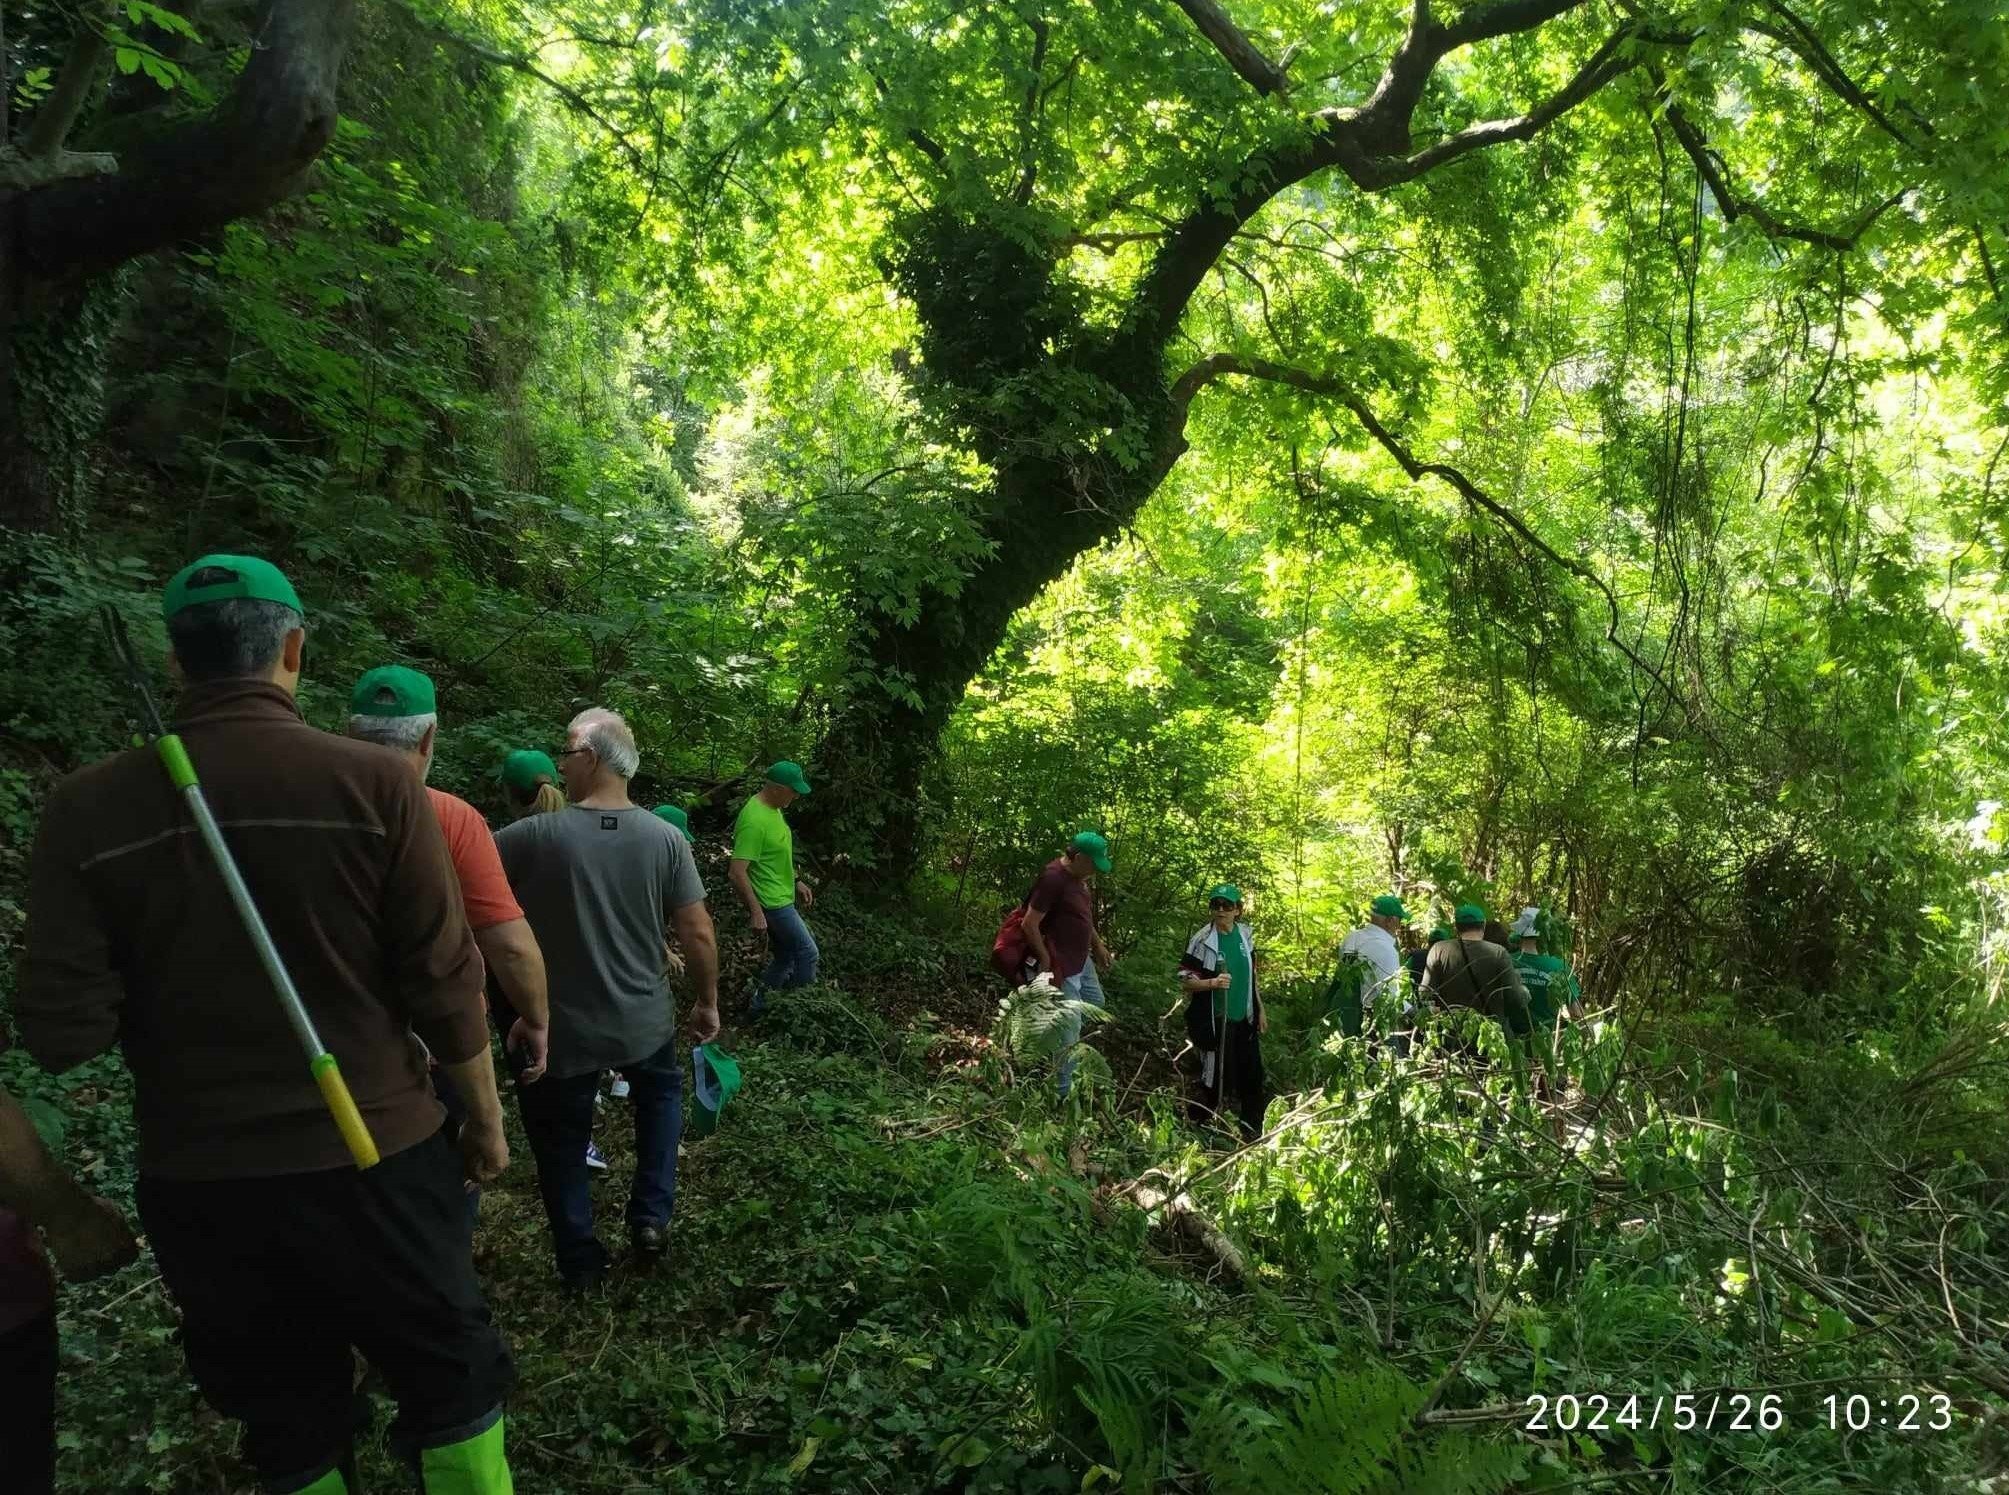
x: 900, y: 1265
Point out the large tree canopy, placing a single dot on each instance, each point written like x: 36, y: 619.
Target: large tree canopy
x: 1098, y: 221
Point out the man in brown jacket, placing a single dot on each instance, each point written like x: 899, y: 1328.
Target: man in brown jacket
x: 280, y: 1253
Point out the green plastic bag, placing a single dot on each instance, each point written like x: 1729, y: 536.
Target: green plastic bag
x: 715, y: 1076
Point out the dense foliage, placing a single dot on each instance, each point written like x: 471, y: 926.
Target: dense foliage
x: 1563, y: 475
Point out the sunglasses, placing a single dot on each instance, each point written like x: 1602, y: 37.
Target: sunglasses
x: 1220, y: 903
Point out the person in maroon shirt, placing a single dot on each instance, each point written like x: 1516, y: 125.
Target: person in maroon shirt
x: 1060, y: 929
x: 88, y: 1237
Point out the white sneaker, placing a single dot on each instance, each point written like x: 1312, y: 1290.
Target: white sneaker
x: 619, y: 1089
x: 593, y: 1159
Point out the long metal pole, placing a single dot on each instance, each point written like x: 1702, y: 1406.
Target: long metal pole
x: 180, y: 768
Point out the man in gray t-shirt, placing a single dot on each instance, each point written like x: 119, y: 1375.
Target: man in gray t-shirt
x: 603, y: 885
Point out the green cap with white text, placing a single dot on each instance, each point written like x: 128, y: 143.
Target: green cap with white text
x: 226, y: 578
x: 393, y: 690
x: 1094, y: 845
x: 789, y: 775
x: 1223, y: 892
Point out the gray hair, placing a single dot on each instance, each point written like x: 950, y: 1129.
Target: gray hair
x: 607, y: 734
x: 235, y: 639
x: 404, y: 733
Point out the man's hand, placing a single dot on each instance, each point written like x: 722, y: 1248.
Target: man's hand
x: 804, y: 894
x: 1223, y: 982
x: 758, y: 921
x: 89, y: 1239
x: 530, y: 1045
x: 704, y: 1021
x: 1262, y: 1019
x: 484, y: 1151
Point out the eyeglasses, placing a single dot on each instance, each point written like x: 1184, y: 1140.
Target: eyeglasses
x: 563, y: 753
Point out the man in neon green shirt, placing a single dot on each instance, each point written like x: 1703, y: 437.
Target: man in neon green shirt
x: 763, y: 874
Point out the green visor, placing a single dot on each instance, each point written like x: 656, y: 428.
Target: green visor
x: 715, y: 1077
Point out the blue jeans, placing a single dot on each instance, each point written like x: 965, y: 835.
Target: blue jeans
x: 1083, y: 986
x: 793, y: 952
x: 558, y: 1121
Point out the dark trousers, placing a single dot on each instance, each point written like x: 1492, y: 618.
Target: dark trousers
x: 558, y: 1121
x: 1239, y: 1072
x: 277, y: 1278
x: 28, y: 1407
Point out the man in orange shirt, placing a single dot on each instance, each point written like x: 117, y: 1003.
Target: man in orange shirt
x: 397, y: 708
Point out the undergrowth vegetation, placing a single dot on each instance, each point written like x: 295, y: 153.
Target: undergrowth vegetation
x: 901, y: 1264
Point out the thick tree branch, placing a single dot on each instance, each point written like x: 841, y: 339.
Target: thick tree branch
x: 240, y: 159
x: 1218, y: 365
x: 1734, y: 206
x: 1608, y: 62
x: 1243, y: 55
x: 82, y: 75
x: 1356, y: 143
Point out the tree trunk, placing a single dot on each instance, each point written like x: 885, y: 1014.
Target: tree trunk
x: 168, y: 185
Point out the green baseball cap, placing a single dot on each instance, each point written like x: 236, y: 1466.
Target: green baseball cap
x: 523, y: 769
x: 675, y: 817
x: 1469, y: 916
x: 716, y: 1080
x: 240, y: 576
x: 393, y: 690
x: 1225, y: 890
x: 788, y: 775
x: 1096, y: 845
x: 1441, y: 933
x: 1388, y: 906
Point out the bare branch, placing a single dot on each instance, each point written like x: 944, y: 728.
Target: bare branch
x: 1264, y: 76
x: 82, y: 75
x: 1734, y: 206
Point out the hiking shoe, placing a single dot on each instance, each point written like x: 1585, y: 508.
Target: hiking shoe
x: 651, y: 1241
x: 594, y: 1159
x: 619, y: 1089
x: 583, y: 1281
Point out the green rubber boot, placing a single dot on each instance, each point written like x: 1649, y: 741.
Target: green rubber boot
x: 473, y: 1466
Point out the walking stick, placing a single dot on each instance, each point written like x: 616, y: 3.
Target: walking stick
x: 181, y: 773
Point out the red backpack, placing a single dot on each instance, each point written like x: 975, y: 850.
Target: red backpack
x: 1011, y: 957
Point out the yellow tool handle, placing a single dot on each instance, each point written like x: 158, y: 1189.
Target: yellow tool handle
x: 342, y: 1106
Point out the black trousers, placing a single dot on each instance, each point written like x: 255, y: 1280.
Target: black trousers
x: 1241, y: 1073
x: 28, y: 1407
x: 277, y: 1278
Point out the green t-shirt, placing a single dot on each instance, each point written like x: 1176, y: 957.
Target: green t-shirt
x: 761, y: 838
x: 1235, y: 961
x: 1550, y: 985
